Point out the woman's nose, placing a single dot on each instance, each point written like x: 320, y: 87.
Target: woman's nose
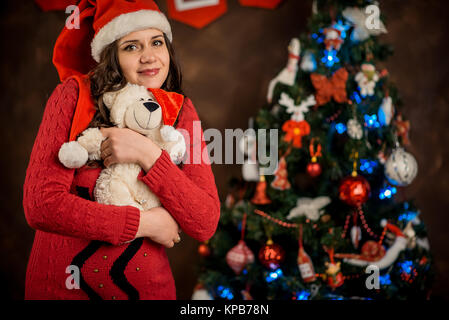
x: 147, y: 56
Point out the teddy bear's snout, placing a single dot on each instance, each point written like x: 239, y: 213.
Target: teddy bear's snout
x: 151, y: 106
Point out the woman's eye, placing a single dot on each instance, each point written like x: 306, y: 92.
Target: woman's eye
x: 158, y: 43
x: 128, y: 48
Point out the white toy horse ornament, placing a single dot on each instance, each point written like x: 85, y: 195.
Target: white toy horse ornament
x: 288, y: 74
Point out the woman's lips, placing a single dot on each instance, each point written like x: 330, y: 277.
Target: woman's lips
x: 149, y: 72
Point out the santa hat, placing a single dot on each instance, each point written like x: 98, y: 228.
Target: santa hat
x: 101, y: 22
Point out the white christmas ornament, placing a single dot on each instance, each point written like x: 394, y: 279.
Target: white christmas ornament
x: 356, y: 236
x: 401, y: 167
x: 366, y: 22
x: 386, y: 111
x: 308, y: 62
x: 250, y: 167
x: 355, y: 130
x: 201, y: 294
x: 367, y: 79
x: 288, y: 74
x: 309, y: 207
x: 297, y: 111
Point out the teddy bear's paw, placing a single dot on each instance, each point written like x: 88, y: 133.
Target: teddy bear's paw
x: 169, y: 133
x: 72, y: 155
x: 177, y: 153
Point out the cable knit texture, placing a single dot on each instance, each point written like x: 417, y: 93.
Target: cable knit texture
x: 58, y: 204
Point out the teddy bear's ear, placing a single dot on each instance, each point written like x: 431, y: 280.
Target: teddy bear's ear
x: 109, y: 98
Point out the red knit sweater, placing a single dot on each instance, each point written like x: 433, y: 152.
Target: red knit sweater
x: 72, y: 229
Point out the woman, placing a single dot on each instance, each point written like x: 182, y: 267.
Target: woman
x: 74, y: 234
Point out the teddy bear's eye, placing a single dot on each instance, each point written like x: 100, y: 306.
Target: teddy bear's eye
x: 141, y: 99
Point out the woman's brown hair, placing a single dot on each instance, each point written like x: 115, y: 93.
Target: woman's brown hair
x: 107, y: 76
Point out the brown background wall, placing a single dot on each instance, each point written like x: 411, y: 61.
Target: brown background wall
x: 227, y: 67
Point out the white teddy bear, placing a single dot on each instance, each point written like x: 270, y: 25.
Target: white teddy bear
x: 132, y: 107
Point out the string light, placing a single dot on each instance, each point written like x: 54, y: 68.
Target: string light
x: 385, y: 280
x: 225, y: 293
x: 408, y: 216
x: 274, y: 275
x: 340, y: 127
x: 302, y: 295
x: 367, y: 166
x: 387, y: 192
x: 356, y: 97
x: 371, y: 121
x: 330, y: 58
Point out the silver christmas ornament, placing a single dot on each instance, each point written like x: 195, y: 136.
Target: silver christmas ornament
x: 401, y: 167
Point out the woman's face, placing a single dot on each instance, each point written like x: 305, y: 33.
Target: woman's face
x: 143, y: 57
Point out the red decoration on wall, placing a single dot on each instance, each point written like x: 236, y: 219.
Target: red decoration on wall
x: 199, y: 17
x: 267, y: 4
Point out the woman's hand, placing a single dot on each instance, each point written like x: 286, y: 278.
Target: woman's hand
x: 158, y: 225
x: 123, y: 145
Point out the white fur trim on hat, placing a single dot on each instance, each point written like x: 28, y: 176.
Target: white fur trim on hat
x: 127, y: 23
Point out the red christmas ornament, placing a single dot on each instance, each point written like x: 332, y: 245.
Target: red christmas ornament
x: 314, y: 169
x: 280, y: 181
x: 239, y: 256
x: 354, y: 190
x: 204, y: 250
x: 271, y: 255
x: 260, y: 196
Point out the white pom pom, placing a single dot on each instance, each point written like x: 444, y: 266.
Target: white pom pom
x: 72, y: 155
x: 383, y: 223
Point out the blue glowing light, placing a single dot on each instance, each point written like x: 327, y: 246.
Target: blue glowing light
x: 387, y: 192
x: 406, y: 266
x: 303, y: 295
x: 356, y: 97
x: 245, y: 271
x: 225, y: 292
x: 408, y: 216
x: 319, y: 38
x: 342, y: 27
x: 385, y: 279
x: 367, y: 166
x: 330, y: 58
x: 371, y: 121
x: 274, y: 275
x: 340, y: 127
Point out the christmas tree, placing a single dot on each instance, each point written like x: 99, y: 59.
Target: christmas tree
x: 326, y: 224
